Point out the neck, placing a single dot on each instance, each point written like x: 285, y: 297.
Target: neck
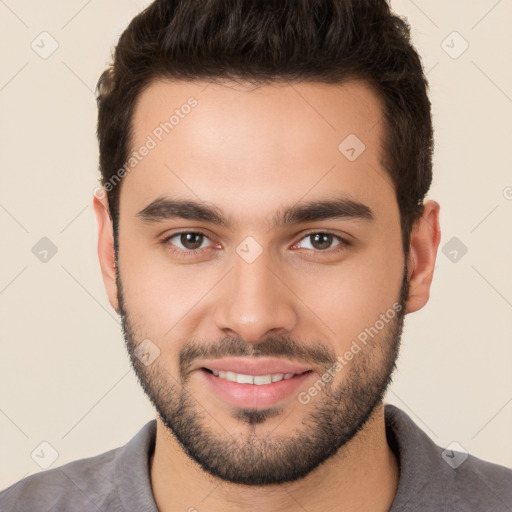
x: 362, y: 475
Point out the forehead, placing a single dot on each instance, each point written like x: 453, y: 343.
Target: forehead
x: 248, y: 147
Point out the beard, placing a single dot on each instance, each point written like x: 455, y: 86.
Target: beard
x: 338, y: 412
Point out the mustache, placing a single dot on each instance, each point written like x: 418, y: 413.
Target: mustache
x: 276, y: 346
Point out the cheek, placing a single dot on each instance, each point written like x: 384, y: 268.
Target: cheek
x: 350, y: 297
x: 159, y: 294
x: 336, y: 300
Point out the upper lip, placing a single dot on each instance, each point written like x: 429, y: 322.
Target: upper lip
x: 254, y: 366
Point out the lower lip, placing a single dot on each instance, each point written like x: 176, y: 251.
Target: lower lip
x: 255, y: 396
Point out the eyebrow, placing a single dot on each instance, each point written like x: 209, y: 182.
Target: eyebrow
x: 165, y: 208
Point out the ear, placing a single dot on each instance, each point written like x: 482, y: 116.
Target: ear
x: 425, y: 238
x: 106, y: 252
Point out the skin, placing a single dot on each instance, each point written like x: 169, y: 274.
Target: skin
x: 252, y: 152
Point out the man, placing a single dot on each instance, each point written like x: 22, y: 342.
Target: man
x: 263, y: 231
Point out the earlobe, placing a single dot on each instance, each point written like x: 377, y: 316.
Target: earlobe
x: 106, y: 253
x: 425, y: 238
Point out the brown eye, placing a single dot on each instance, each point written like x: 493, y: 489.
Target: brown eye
x: 186, y: 242
x: 191, y: 241
x: 322, y: 241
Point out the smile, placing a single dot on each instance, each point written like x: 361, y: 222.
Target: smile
x: 258, y: 380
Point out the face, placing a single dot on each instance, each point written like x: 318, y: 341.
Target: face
x: 261, y: 279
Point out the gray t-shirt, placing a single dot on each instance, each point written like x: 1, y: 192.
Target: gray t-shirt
x: 431, y: 479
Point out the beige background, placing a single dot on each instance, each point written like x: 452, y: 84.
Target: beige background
x: 65, y: 377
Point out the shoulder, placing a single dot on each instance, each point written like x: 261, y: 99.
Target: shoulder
x: 433, y: 478
x: 85, y: 484
x: 476, y: 484
x: 116, y: 480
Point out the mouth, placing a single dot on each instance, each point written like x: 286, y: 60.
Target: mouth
x: 249, y: 391
x: 258, y: 380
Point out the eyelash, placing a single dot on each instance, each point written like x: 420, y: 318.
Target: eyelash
x: 344, y: 243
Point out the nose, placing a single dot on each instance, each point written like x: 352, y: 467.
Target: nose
x: 256, y: 300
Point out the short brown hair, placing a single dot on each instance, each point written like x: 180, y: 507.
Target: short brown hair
x: 260, y: 41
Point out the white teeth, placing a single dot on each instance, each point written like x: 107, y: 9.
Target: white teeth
x: 231, y: 376
x: 262, y: 379
x: 244, y: 379
x: 259, y: 380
